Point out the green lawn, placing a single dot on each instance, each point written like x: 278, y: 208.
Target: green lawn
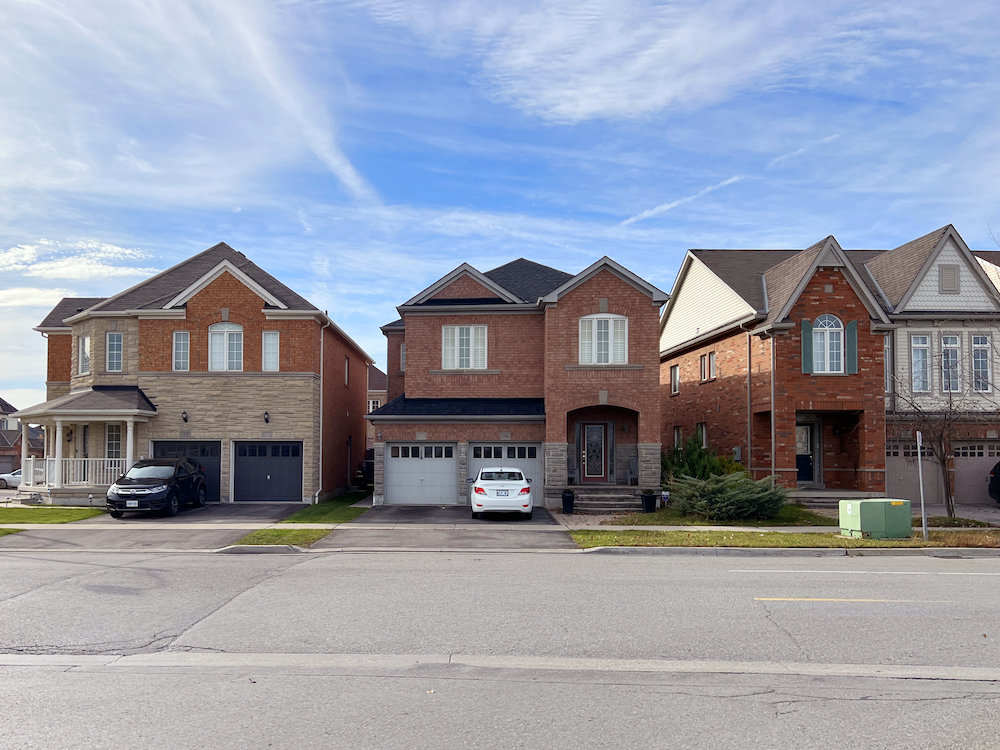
x: 47, y: 514
x: 5, y: 532
x: 944, y: 521
x: 336, y: 510
x: 586, y: 538
x: 298, y: 537
x: 790, y: 515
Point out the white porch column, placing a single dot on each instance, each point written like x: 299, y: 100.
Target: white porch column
x: 24, y: 446
x: 129, y: 443
x: 59, y: 451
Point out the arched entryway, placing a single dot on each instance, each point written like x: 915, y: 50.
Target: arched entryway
x: 602, y: 445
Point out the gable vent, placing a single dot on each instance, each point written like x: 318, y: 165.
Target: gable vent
x: 949, y: 279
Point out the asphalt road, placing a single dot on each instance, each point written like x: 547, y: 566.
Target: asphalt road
x: 497, y: 650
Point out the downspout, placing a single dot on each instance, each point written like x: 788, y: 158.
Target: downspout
x: 322, y: 423
x: 749, y: 405
x: 774, y: 423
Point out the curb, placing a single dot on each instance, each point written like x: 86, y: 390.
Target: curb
x: 943, y: 552
x: 260, y: 549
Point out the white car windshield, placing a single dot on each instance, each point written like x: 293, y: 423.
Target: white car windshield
x: 501, y: 476
x: 146, y: 471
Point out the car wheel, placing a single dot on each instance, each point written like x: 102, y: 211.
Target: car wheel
x: 527, y: 516
x: 173, y: 505
x: 115, y: 513
x: 3, y: 484
x: 200, y: 500
x: 475, y: 515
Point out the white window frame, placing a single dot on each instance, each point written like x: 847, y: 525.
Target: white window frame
x: 590, y: 339
x: 711, y: 365
x: 109, y: 428
x: 678, y: 436
x: 920, y: 342
x: 187, y: 352
x: 107, y: 351
x: 83, y: 356
x: 476, y: 341
x: 675, y: 379
x: 985, y: 348
x: 951, y: 374
x: 402, y: 357
x: 276, y: 365
x: 225, y: 335
x: 824, y: 337
x: 373, y: 404
x: 701, y: 430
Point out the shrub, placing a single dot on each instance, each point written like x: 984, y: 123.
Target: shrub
x: 694, y: 460
x: 727, y: 497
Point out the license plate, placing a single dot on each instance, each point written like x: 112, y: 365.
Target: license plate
x: 501, y: 493
x: 131, y: 503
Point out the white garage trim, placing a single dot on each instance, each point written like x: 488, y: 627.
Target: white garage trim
x: 421, y: 473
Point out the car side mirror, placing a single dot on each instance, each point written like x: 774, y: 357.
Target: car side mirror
x: 529, y: 481
x: 470, y: 480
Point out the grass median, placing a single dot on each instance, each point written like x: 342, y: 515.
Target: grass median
x: 587, y: 538
x: 334, y: 510
x: 5, y: 532
x: 47, y: 514
x: 790, y: 515
x: 297, y: 537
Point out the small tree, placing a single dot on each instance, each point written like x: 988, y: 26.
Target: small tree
x: 695, y: 460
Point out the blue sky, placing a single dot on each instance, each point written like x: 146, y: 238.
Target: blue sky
x: 360, y: 150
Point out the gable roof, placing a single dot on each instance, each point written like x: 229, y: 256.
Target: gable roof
x: 896, y: 270
x: 503, y: 295
x: 67, y: 308
x: 6, y: 408
x: 783, y: 279
x: 527, y: 279
x: 606, y: 264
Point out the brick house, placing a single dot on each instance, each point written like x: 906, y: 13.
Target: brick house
x: 10, y: 440
x: 829, y: 338
x: 212, y: 359
x: 525, y: 365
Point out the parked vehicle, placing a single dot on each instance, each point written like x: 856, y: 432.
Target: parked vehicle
x: 995, y: 482
x: 158, y: 484
x: 10, y: 480
x: 501, y: 489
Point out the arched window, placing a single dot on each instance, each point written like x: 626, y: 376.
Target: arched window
x: 225, y: 346
x: 828, y: 344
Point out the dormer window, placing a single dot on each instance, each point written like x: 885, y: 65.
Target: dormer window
x: 604, y: 340
x: 225, y: 347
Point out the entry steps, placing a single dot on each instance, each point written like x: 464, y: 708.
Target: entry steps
x: 820, y: 498
x: 606, y: 499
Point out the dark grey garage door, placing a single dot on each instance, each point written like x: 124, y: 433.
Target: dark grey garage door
x: 206, y: 452
x: 268, y: 471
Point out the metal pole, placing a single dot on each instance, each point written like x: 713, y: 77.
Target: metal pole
x: 920, y: 474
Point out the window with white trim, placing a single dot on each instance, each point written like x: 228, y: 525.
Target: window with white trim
x: 920, y: 357
x: 373, y: 404
x: 604, y: 340
x: 463, y: 347
x: 182, y: 351
x: 225, y: 347
x: 982, y: 375
x: 113, y: 352
x: 828, y: 344
x: 708, y: 366
x: 678, y: 437
x: 402, y: 357
x: 701, y: 430
x: 83, y: 365
x: 269, y: 351
x: 113, y: 440
x: 951, y: 381
x: 675, y: 379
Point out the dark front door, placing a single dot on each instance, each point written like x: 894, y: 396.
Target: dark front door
x: 805, y: 461
x: 595, y: 452
x: 268, y: 471
x: 206, y: 452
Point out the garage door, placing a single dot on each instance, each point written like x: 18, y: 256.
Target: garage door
x: 973, y: 462
x: 421, y: 474
x: 268, y: 471
x: 6, y: 464
x: 524, y: 456
x: 206, y: 452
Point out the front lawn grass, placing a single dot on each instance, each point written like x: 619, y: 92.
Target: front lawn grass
x: 789, y: 515
x: 298, y: 537
x: 47, y: 514
x: 5, y: 532
x: 587, y: 538
x: 334, y: 510
x: 957, y: 523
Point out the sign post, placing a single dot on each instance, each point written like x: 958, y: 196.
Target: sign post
x: 920, y: 474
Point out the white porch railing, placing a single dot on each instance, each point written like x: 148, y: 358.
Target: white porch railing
x: 73, y: 471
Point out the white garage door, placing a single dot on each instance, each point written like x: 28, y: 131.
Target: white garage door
x: 524, y: 456
x: 421, y: 474
x: 973, y: 461
x: 901, y: 477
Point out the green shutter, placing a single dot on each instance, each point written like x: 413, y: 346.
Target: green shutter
x: 852, y: 348
x: 807, y: 347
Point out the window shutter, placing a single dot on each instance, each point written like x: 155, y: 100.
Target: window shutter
x: 852, y: 347
x: 807, y: 347
x: 586, y: 342
x: 479, y: 354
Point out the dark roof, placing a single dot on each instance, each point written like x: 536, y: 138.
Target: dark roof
x: 895, y: 270
x: 154, y: 293
x: 785, y: 276
x: 465, y: 301
x: 527, y: 279
x: 68, y: 307
x: 8, y: 438
x: 401, y: 406
x: 6, y: 408
x: 990, y: 256
x: 97, y: 398
x: 377, y: 380
x: 396, y: 323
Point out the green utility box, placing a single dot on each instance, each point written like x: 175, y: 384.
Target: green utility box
x: 875, y: 519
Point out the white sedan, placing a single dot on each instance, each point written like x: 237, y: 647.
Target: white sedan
x: 501, y: 489
x: 10, y: 480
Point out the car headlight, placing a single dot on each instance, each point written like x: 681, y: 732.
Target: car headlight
x: 114, y: 489
x: 158, y: 488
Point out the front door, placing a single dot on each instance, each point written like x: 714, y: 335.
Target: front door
x: 804, y: 460
x: 595, y: 453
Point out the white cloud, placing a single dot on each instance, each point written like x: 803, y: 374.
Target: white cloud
x: 32, y: 297
x: 83, y: 259
x: 663, y: 207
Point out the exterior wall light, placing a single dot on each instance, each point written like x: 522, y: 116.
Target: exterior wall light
x: 184, y: 416
x: 267, y: 417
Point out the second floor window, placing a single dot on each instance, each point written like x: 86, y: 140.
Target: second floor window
x: 114, y: 353
x: 920, y: 356
x: 373, y: 404
x: 83, y: 366
x: 675, y: 379
x: 182, y: 351
x: 950, y: 380
x: 225, y: 347
x: 269, y: 355
x: 463, y: 347
x: 604, y: 340
x: 402, y: 357
x: 708, y: 366
x: 981, y: 375
x: 828, y: 344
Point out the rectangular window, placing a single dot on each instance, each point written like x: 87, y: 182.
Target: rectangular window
x: 182, y: 351
x: 347, y: 370
x: 234, y: 350
x: 887, y: 362
x: 84, y: 363
x: 373, y: 404
x: 603, y: 340
x: 225, y: 350
x: 920, y: 357
x: 114, y: 352
x: 950, y: 355
x: 675, y: 379
x: 981, y: 370
x: 704, y: 367
x: 463, y: 347
x: 270, y: 351
x: 402, y: 357
x: 711, y: 365
x: 701, y: 430
x: 113, y: 441
x: 677, y: 437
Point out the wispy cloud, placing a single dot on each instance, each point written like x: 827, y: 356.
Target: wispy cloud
x: 86, y: 259
x: 799, y: 151
x: 664, y: 207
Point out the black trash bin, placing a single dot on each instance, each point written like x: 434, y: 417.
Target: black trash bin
x: 648, y: 503
x: 567, y: 498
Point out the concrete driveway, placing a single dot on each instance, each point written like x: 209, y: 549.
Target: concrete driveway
x: 448, y: 527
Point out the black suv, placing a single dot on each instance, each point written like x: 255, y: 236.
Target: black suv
x: 158, y: 484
